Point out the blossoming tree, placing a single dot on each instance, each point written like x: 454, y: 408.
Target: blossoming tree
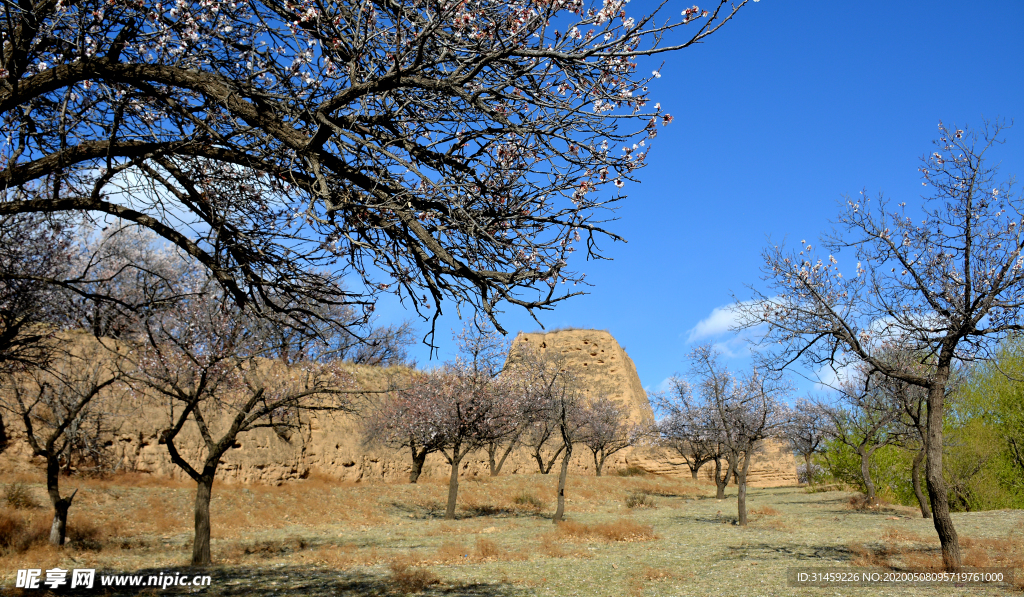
x: 435, y: 149
x: 945, y: 282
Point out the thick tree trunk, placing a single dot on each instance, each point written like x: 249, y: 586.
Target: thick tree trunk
x: 598, y: 465
x: 453, y: 484
x: 741, y: 494
x: 952, y: 558
x: 915, y: 477
x: 807, y: 467
x: 560, y: 509
x: 720, y: 482
x: 865, y: 472
x: 418, y: 458
x: 693, y: 472
x: 201, y: 542
x: 59, y: 527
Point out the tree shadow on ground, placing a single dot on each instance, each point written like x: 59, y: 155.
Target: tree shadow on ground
x: 794, y: 552
x: 307, y: 581
x: 437, y: 511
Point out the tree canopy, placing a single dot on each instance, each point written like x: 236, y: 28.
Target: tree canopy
x: 432, y: 149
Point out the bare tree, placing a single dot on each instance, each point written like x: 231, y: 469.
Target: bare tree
x: 715, y: 384
x: 470, y: 411
x: 436, y: 150
x: 688, y: 428
x: 204, y: 359
x: 912, y: 403
x: 541, y: 431
x: 564, y: 392
x: 607, y: 429
x: 558, y: 400
x: 525, y: 392
x: 333, y: 332
x: 947, y: 282
x: 808, y: 429
x: 865, y: 420
x: 746, y: 411
x: 57, y: 406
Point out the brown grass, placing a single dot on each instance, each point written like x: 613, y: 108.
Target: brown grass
x: 20, y: 532
x: 528, y: 501
x: 19, y: 497
x: 765, y: 511
x: 269, y: 548
x: 639, y: 499
x: 487, y: 549
x: 631, y: 471
x: 861, y: 502
x: 777, y: 525
x: 900, y: 548
x: 410, y: 579
x: 621, y: 530
x: 449, y: 551
x: 25, y: 534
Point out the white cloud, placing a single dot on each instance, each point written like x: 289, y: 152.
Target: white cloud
x: 720, y: 321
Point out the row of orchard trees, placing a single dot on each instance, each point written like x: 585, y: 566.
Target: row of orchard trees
x: 165, y: 337
x: 874, y: 435
x: 499, y: 398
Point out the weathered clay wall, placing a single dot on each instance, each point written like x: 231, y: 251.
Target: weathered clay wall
x: 333, y: 444
x: 606, y: 367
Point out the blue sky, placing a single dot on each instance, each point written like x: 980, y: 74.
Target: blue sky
x: 779, y: 115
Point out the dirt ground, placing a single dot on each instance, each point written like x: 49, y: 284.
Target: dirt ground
x: 318, y: 537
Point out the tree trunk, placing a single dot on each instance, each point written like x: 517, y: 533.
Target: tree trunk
x: 732, y: 470
x: 492, y: 459
x: 865, y: 472
x: 952, y: 558
x: 741, y: 494
x: 496, y: 466
x: 58, y: 530
x: 720, y: 482
x: 545, y: 468
x: 598, y: 465
x: 693, y: 472
x: 453, y: 484
x: 418, y: 458
x: 915, y: 476
x: 807, y: 467
x: 201, y: 542
x: 560, y: 509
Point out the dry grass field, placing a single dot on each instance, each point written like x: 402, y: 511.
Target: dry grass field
x: 638, y: 535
